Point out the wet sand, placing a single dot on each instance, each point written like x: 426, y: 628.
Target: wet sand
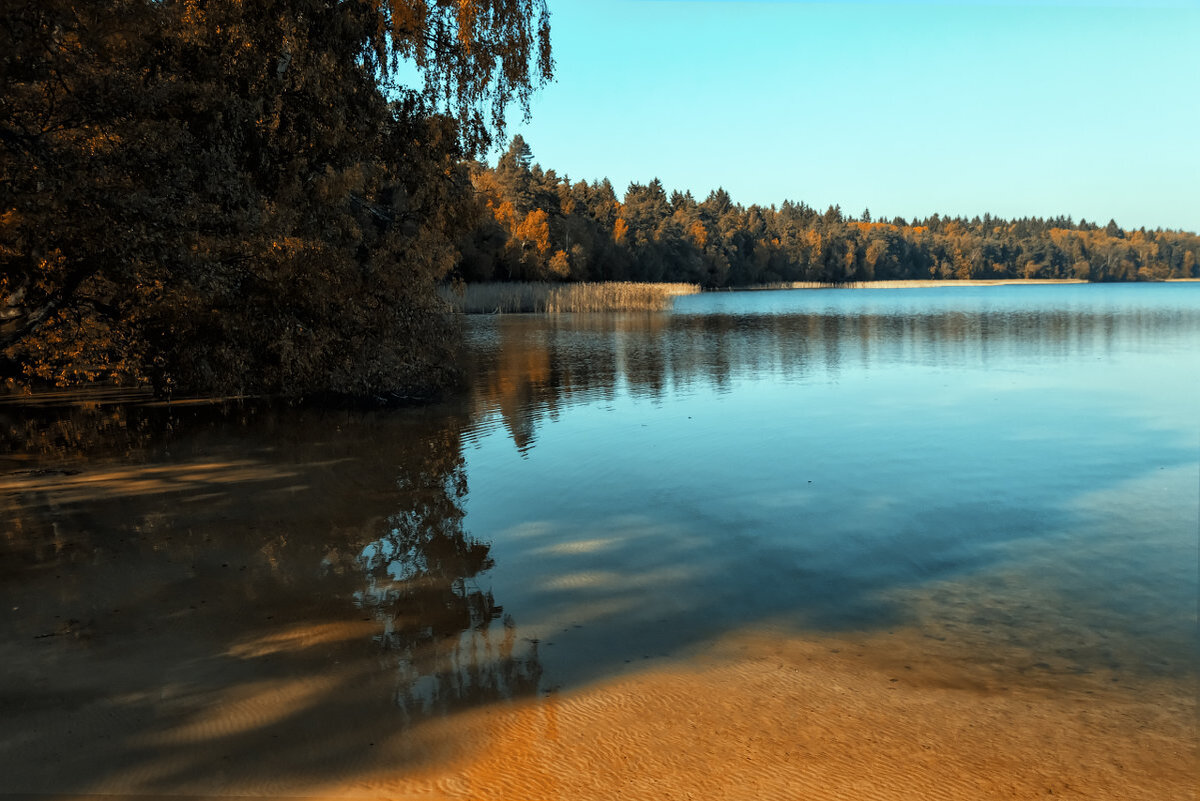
x: 760, y: 714
x: 767, y: 717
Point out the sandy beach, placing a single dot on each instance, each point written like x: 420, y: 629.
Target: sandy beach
x: 906, y: 714
x: 770, y: 717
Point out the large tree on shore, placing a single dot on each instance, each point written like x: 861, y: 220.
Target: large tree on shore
x: 225, y: 197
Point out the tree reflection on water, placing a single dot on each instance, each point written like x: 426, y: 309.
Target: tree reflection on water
x: 526, y: 368
x: 202, y: 553
x: 437, y: 620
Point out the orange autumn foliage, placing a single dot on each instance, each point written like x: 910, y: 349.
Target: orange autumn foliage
x: 535, y: 229
x: 620, y: 231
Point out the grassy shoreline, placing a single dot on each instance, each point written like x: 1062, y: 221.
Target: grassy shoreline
x: 552, y: 298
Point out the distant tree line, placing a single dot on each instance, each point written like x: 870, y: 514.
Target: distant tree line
x: 535, y: 225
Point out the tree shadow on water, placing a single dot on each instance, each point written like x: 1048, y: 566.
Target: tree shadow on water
x: 291, y: 616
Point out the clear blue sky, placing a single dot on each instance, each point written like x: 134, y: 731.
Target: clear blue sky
x: 1077, y: 107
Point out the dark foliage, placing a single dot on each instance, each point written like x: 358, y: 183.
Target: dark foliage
x: 544, y: 227
x: 224, y: 197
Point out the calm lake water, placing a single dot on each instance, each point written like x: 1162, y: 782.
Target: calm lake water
x: 813, y: 458
x: 1013, y: 470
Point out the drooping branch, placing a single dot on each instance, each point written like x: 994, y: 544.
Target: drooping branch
x: 477, y: 57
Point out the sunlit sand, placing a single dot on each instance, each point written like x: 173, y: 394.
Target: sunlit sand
x: 759, y: 714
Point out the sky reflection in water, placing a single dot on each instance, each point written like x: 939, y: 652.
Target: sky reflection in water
x: 811, y: 457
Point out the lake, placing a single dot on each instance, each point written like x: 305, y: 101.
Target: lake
x: 834, y: 543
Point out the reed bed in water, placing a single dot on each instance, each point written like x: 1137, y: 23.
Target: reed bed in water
x: 547, y: 298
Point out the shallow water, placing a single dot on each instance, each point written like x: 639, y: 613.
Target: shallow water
x: 1003, y: 479
x: 814, y: 456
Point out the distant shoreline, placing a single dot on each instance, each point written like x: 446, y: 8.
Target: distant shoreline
x: 552, y: 297
x: 929, y: 283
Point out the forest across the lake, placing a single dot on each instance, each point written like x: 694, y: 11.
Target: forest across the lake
x: 536, y: 225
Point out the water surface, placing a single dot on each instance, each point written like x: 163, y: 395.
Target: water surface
x: 1010, y: 473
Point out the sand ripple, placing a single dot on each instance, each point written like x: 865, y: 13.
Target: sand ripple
x: 772, y: 718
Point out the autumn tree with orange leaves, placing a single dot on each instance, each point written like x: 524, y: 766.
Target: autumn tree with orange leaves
x: 648, y: 235
x: 225, y: 197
